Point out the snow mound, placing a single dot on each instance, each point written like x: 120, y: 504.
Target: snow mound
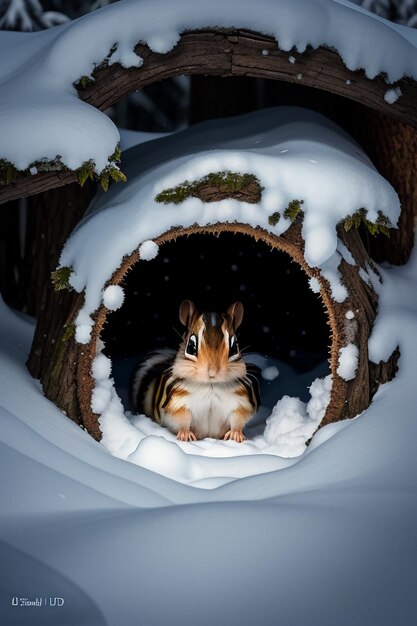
x: 113, y: 297
x: 348, y: 361
x: 148, y: 250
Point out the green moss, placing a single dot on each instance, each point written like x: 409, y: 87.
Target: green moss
x: 225, y: 181
x: 382, y: 224
x: 85, y: 171
x: 274, y: 218
x: 112, y: 171
x: 69, y: 332
x: 60, y: 278
x: 116, y: 156
x: 293, y: 209
x: 9, y: 173
x: 83, y: 82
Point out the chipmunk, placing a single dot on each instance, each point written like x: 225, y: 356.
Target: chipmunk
x: 204, y: 389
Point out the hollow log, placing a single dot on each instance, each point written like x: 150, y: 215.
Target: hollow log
x: 67, y: 377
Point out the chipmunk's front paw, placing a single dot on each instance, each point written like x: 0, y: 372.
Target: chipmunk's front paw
x: 234, y: 435
x: 186, y: 435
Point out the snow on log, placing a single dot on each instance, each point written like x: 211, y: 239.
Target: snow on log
x: 55, y: 78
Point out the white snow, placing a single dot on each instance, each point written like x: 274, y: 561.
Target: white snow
x: 292, y: 422
x: 140, y: 440
x: 326, y: 538
x: 291, y: 59
x: 289, y: 418
x: 277, y: 145
x: 348, y: 361
x: 349, y: 315
x: 320, y: 397
x: 148, y: 250
x: 314, y: 284
x: 345, y: 253
x: 101, y: 368
x: 329, y: 270
x: 41, y: 115
x: 83, y: 332
x: 130, y: 138
x: 113, y: 297
x: 371, y: 278
x: 392, y: 95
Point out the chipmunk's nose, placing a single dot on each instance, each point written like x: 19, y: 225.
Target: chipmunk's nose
x: 212, y: 371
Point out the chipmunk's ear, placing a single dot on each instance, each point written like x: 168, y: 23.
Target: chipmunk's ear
x: 236, y: 313
x: 187, y: 309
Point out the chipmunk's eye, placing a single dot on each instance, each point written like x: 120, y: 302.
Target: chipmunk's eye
x: 233, y: 347
x: 191, y: 348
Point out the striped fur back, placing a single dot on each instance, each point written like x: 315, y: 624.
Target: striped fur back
x: 150, y: 380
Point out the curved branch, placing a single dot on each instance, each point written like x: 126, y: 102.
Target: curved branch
x: 243, y: 53
x: 228, y: 53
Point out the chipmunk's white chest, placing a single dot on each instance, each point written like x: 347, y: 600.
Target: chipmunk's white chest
x: 211, y: 407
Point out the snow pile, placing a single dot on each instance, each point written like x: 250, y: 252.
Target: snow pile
x: 83, y: 327
x: 292, y: 422
x: 41, y: 116
x: 392, y: 95
x: 113, y: 297
x: 118, y: 437
x: 314, y: 284
x: 295, y: 154
x: 348, y: 361
x: 140, y: 440
x: 148, y: 250
x: 285, y: 428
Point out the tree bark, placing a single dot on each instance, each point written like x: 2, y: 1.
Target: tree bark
x: 59, y: 211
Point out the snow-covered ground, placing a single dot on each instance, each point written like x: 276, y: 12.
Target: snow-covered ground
x: 329, y: 539
x: 293, y: 406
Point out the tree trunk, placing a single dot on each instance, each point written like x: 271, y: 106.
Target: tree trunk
x: 59, y: 211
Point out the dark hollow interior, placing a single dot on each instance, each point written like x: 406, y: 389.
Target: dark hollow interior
x: 283, y: 318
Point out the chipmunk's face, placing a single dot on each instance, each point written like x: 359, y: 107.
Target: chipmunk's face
x: 210, y: 351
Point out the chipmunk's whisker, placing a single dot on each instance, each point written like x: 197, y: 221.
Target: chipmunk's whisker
x: 177, y: 331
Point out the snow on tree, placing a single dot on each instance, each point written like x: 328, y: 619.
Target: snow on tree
x: 28, y: 15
